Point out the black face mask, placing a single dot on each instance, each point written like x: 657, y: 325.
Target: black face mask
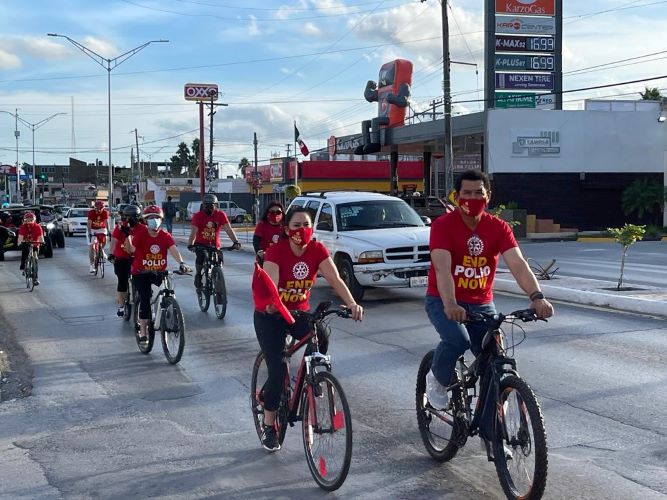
x: 208, y: 210
x: 132, y: 222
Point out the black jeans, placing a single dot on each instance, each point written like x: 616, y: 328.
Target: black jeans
x: 271, y: 331
x: 143, y: 285
x: 122, y: 269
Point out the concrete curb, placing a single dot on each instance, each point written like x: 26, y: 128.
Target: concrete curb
x: 643, y: 300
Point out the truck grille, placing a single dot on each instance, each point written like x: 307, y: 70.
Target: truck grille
x: 412, y: 254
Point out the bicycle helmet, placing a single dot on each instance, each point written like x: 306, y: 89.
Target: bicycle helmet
x: 132, y: 211
x: 153, y: 210
x: 29, y: 217
x: 210, y: 199
x: 99, y: 205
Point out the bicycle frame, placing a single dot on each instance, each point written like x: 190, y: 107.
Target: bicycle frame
x: 165, y: 289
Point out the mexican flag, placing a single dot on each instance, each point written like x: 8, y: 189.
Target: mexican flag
x: 298, y: 139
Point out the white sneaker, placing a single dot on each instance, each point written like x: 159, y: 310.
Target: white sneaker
x: 92, y: 269
x: 436, y: 393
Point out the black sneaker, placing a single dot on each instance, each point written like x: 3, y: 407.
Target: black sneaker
x: 21, y: 267
x: 35, y: 282
x: 270, y: 439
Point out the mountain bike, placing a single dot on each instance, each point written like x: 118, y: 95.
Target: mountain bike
x: 212, y: 280
x: 504, y: 412
x: 316, y: 398
x: 31, y: 266
x: 166, y: 318
x: 98, y: 249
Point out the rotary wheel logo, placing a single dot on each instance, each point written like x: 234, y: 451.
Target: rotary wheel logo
x: 275, y: 238
x: 475, y: 245
x: 300, y: 270
x: 155, y: 249
x: 209, y: 224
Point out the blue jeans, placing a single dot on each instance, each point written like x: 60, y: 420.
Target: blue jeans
x: 455, y: 338
x: 168, y: 222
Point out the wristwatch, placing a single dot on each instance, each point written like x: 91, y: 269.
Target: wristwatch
x: 536, y: 296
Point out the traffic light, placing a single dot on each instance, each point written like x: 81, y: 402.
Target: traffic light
x: 42, y: 177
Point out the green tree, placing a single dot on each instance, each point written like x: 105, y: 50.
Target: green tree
x: 644, y: 197
x: 651, y: 94
x: 244, y: 164
x: 292, y: 191
x: 193, y: 168
x: 181, y: 161
x: 626, y: 236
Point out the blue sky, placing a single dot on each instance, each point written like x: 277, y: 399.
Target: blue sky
x: 275, y: 62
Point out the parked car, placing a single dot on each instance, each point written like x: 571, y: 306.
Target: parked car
x: 51, y: 230
x: 75, y: 221
x: 375, y: 240
x: 431, y: 207
x: 233, y: 211
x: 51, y: 223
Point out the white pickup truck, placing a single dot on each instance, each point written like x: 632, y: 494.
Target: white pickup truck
x: 375, y: 240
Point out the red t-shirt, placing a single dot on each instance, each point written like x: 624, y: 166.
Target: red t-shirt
x: 207, y: 231
x: 268, y: 234
x: 297, y: 273
x: 98, y: 220
x: 151, y: 252
x: 474, y: 254
x: 119, y: 252
x: 31, y: 232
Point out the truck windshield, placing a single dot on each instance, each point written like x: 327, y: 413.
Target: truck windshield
x: 376, y: 215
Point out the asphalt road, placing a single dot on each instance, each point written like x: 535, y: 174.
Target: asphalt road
x: 646, y: 261
x: 106, y: 421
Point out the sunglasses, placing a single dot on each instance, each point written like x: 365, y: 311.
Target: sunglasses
x: 275, y: 211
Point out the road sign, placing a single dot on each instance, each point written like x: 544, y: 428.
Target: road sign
x: 529, y: 7
x: 8, y: 169
x: 200, y: 91
x: 524, y: 81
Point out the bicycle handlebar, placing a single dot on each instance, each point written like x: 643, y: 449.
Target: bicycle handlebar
x: 524, y: 315
x: 322, y: 311
x: 208, y: 248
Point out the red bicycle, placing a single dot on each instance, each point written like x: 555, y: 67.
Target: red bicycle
x: 315, y: 398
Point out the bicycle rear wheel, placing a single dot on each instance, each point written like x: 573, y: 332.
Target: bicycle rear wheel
x: 257, y: 382
x: 327, y: 431
x: 204, y: 293
x: 172, y: 327
x: 219, y: 292
x: 439, y: 429
x: 127, y: 305
x: 520, y: 449
x: 101, y: 267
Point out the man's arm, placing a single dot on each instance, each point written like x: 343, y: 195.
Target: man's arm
x: 193, y: 235
x: 232, y: 235
x: 527, y: 281
x: 442, y: 261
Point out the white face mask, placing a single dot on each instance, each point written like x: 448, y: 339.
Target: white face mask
x: 153, y: 223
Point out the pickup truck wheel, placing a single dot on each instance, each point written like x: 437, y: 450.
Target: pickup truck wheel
x: 239, y: 219
x: 346, y: 272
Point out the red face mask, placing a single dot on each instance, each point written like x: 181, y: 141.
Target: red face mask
x: 301, y: 236
x: 274, y: 218
x: 472, y: 207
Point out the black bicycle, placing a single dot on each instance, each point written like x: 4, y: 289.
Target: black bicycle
x: 31, y: 266
x: 129, y: 305
x: 314, y: 397
x: 166, y: 318
x: 505, y: 412
x: 212, y: 280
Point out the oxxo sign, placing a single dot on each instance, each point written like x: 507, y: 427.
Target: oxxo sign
x: 200, y: 91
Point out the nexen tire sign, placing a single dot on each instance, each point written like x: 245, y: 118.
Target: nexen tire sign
x: 530, y: 7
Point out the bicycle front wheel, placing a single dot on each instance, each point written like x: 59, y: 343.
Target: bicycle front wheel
x: 219, y: 292
x: 172, y: 327
x: 28, y: 274
x: 440, y: 429
x: 204, y: 293
x: 520, y: 449
x: 327, y: 431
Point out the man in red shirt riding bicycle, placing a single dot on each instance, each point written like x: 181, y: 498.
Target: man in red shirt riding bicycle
x: 98, y: 228
x: 30, y: 233
x: 205, y: 230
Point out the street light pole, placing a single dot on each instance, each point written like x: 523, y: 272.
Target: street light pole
x: 108, y: 64
x: 33, y: 127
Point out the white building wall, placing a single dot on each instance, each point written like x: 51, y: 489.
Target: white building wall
x: 575, y: 141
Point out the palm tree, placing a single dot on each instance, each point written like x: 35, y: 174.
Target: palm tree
x: 651, y: 94
x: 243, y: 166
x: 644, y: 197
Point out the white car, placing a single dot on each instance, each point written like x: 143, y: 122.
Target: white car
x: 75, y: 221
x: 375, y: 240
x: 233, y: 211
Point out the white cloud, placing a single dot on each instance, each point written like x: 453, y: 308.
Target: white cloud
x: 310, y: 29
x: 9, y: 61
x: 43, y: 48
x: 103, y: 48
x: 253, y: 28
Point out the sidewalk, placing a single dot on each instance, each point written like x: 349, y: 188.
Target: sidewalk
x: 640, y: 299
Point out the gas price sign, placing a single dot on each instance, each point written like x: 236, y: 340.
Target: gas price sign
x: 511, y: 62
x: 510, y: 43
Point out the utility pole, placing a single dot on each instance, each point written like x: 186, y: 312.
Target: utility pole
x: 17, y: 134
x: 213, y: 105
x: 136, y: 140
x: 447, y: 96
x: 255, y: 201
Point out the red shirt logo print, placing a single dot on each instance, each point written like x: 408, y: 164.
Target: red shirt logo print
x: 473, y: 273
x: 296, y: 290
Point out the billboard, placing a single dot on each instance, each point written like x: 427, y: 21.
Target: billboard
x: 529, y: 7
x: 524, y: 81
x: 200, y: 91
x: 526, y: 25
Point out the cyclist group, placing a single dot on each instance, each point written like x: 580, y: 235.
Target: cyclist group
x: 464, y: 244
